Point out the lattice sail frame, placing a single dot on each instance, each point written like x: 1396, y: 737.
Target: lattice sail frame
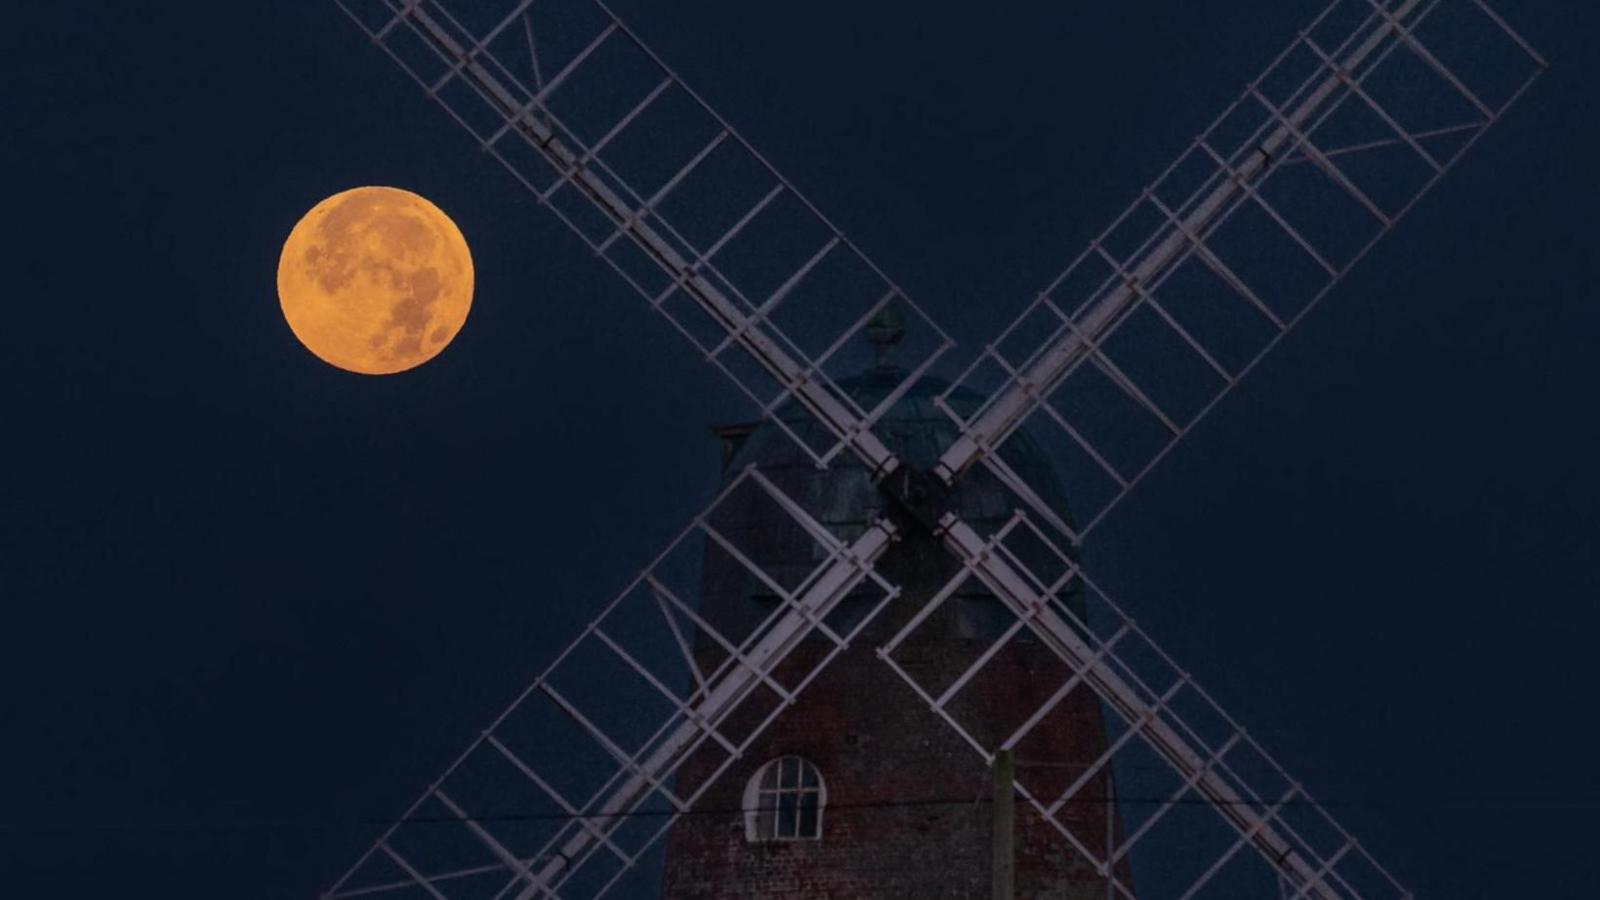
x: 576, y: 781
x: 1158, y: 720
x: 1236, y: 241
x: 666, y: 192
x: 1180, y: 791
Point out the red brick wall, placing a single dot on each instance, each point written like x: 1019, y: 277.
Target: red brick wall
x: 909, y: 812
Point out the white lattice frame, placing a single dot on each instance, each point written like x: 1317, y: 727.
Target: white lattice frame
x: 999, y: 571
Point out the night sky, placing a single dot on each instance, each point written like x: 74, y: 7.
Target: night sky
x: 252, y: 604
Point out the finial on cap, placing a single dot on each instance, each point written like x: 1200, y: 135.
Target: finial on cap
x: 884, y: 330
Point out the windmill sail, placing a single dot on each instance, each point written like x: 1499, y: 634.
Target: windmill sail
x: 1204, y: 810
x: 1129, y: 347
x: 569, y: 788
x: 659, y: 186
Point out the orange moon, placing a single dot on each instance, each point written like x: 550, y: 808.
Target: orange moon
x: 375, y: 280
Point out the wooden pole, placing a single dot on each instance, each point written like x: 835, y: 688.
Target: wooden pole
x: 1005, y: 872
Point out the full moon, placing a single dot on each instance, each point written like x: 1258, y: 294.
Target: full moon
x: 375, y: 280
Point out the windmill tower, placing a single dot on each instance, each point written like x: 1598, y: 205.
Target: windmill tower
x: 933, y: 515
x: 857, y: 785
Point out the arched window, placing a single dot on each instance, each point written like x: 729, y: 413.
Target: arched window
x: 784, y: 801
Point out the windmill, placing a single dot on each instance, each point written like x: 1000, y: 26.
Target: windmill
x: 1111, y: 365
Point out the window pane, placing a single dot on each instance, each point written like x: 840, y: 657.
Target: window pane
x: 786, y: 814
x: 808, y: 815
x: 769, y: 777
x: 791, y: 771
x: 808, y: 776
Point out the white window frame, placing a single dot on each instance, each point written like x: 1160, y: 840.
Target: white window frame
x: 759, y: 799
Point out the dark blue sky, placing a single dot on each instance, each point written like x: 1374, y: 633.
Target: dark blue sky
x: 252, y: 603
